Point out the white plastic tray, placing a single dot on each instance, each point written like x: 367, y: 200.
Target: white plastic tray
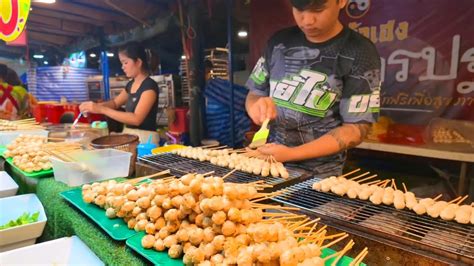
x: 24, y: 235
x: 90, y: 166
x: 62, y: 251
x: 8, y: 187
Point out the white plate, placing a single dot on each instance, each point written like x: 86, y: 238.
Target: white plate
x: 62, y: 251
x: 8, y: 187
x: 23, y: 235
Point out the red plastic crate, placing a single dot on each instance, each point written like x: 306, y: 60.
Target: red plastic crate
x: 54, y: 113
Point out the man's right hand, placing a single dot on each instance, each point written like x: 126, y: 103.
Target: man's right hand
x: 261, y: 109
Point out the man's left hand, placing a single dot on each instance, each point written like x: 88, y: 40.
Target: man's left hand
x: 281, y: 153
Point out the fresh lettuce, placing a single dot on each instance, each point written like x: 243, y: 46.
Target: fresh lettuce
x: 25, y: 218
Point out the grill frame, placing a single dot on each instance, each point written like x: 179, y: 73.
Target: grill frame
x: 351, y: 214
x: 180, y: 166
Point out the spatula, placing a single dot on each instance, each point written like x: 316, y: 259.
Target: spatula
x: 260, y: 137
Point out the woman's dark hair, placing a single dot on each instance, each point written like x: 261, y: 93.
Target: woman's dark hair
x: 12, y: 78
x: 135, y: 51
x: 3, y: 72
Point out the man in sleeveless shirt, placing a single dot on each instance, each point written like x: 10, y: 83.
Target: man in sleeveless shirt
x: 319, y: 83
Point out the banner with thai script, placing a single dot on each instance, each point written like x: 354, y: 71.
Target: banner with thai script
x: 426, y: 49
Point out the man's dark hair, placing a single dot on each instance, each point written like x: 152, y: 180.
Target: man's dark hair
x: 309, y: 4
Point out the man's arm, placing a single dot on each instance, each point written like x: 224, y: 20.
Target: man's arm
x: 341, y: 138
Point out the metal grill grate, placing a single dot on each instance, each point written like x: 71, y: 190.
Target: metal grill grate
x: 444, y: 238
x: 181, y: 165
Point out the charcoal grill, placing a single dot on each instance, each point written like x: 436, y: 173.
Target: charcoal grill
x: 450, y: 241
x: 180, y: 166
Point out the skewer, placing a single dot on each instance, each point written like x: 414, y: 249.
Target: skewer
x: 229, y: 173
x: 367, y: 178
x: 373, y: 182
x: 271, y: 194
x: 323, y: 237
x: 454, y: 200
x: 394, y: 184
x: 208, y: 146
x: 217, y: 148
x: 208, y: 173
x: 305, y: 224
x: 320, y: 230
x: 59, y: 156
x: 341, y: 253
x: 139, y: 179
x: 273, y: 219
x: 350, y: 173
x: 386, y: 183
x: 438, y: 197
x: 20, y: 120
x: 359, y: 176
x: 380, y: 183
x: 308, y: 235
x: 355, y: 261
x: 296, y: 224
x: 404, y: 187
x: 462, y: 199
x: 312, y: 229
x: 362, y: 257
x: 275, y: 207
x: 335, y: 241
x: 61, y: 139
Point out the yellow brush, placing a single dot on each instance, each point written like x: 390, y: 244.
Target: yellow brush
x: 260, y: 137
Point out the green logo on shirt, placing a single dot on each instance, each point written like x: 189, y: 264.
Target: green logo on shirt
x: 303, y: 93
x: 259, y: 73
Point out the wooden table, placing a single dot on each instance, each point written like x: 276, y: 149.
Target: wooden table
x: 425, y: 151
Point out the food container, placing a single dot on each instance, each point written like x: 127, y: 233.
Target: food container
x: 451, y: 135
x: 23, y: 235
x: 62, y: 251
x: 7, y: 137
x: 123, y: 142
x: 82, y: 133
x: 8, y: 187
x: 90, y: 166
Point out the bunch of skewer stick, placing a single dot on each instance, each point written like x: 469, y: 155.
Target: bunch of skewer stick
x: 379, y: 192
x: 209, y: 221
x: 24, y: 124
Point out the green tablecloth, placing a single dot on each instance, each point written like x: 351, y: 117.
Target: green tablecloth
x: 65, y: 220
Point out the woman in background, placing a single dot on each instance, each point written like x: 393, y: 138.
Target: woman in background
x: 15, y: 101
x: 140, y: 96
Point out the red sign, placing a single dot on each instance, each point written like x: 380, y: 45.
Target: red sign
x: 13, y: 16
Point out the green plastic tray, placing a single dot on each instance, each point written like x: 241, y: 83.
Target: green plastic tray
x: 344, y: 261
x: 2, y: 150
x: 116, y: 228
x: 155, y: 257
x: 38, y: 174
x: 162, y: 258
